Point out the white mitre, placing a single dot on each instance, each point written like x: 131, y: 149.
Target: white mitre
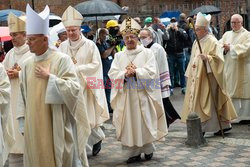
x: 203, y: 20
x: 71, y: 17
x: 16, y: 24
x: 37, y: 23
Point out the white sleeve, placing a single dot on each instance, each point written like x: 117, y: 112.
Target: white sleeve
x: 53, y: 96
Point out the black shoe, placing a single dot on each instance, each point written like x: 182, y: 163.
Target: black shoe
x: 183, y: 91
x: 177, y: 85
x: 134, y: 159
x: 148, y: 156
x: 219, y: 132
x: 97, y: 148
x: 203, y: 133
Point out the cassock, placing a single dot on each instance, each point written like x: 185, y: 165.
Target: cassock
x: 237, y: 70
x: 85, y: 54
x: 7, y: 134
x: 162, y: 62
x: 205, y: 94
x: 15, y: 58
x: 138, y: 115
x: 56, y: 126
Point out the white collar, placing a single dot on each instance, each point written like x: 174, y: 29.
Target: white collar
x: 43, y: 56
x: 21, y: 50
x: 135, y: 51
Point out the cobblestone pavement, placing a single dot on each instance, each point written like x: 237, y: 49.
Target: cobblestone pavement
x: 233, y: 150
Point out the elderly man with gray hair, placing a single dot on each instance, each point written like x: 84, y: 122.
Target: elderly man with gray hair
x: 236, y: 51
x: 146, y: 38
x: 205, y: 94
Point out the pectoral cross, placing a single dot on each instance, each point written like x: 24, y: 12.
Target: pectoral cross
x: 74, y: 60
x: 17, y: 67
x: 130, y: 65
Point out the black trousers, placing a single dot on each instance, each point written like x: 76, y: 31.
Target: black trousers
x: 170, y: 112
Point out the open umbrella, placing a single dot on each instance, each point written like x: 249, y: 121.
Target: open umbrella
x: 4, y: 34
x: 170, y: 14
x: 165, y: 21
x: 205, y: 9
x: 4, y: 14
x: 99, y: 8
x: 54, y: 20
x: 166, y: 16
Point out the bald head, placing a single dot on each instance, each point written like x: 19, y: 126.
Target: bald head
x: 236, y: 22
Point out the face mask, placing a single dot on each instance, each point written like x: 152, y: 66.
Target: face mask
x: 145, y: 42
x: 174, y: 24
x: 106, y: 38
x: 113, y: 31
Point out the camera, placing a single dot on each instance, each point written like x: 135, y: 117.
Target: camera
x: 114, y: 40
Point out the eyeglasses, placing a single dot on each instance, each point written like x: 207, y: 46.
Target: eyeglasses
x: 198, y: 29
x: 130, y: 37
x: 33, y: 38
x: 235, y: 22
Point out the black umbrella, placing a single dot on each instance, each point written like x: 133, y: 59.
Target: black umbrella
x: 206, y: 9
x: 54, y: 20
x: 99, y: 8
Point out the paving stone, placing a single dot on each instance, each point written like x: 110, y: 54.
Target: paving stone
x: 233, y: 150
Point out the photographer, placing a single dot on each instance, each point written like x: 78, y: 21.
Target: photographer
x: 174, y: 50
x: 106, y: 52
x: 114, y: 38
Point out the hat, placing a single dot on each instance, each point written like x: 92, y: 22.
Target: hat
x: 71, y: 17
x: 85, y: 28
x: 173, y: 19
x: 137, y: 19
x: 148, y: 20
x: 37, y: 23
x: 16, y: 24
x: 130, y: 25
x: 61, y: 29
x: 112, y: 23
x: 203, y: 20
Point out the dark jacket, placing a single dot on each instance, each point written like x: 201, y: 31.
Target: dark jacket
x: 183, y: 24
x: 176, y: 41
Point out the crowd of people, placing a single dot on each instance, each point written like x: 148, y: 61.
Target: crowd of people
x: 54, y: 99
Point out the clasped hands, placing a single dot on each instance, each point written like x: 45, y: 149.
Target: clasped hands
x: 226, y: 48
x: 130, y: 70
x: 14, y: 71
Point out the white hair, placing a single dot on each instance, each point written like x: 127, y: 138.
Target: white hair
x: 238, y: 16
